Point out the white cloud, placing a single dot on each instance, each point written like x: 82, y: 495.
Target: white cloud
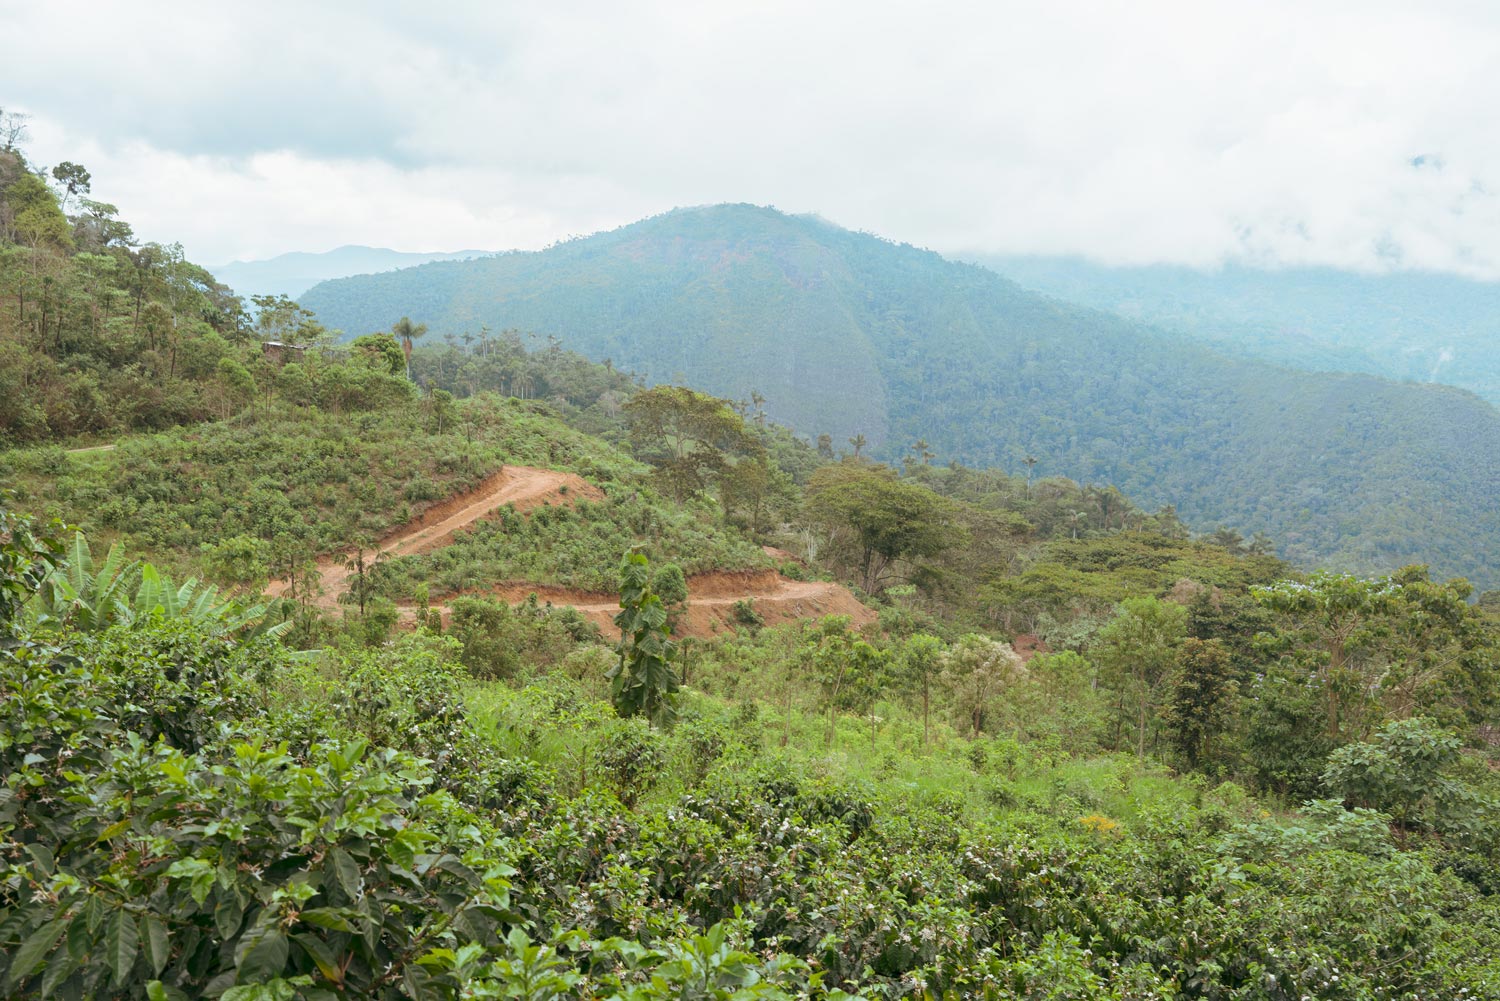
x: 1280, y: 132
x: 240, y: 208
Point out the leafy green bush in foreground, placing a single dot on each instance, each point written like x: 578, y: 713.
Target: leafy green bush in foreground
x: 134, y: 868
x: 188, y: 815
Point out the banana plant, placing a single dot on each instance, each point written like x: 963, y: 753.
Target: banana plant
x: 80, y: 597
x: 201, y: 605
x: 77, y: 596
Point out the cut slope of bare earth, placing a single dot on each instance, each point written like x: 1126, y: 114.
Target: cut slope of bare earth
x: 711, y: 602
x: 712, y: 597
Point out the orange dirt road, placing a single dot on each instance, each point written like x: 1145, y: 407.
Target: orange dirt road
x: 710, y: 603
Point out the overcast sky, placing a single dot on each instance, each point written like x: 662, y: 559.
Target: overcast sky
x: 1361, y: 134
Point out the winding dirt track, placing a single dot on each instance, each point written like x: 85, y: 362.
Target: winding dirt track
x: 712, y: 597
x: 521, y: 486
x: 711, y: 602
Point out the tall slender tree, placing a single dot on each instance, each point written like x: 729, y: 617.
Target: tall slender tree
x: 406, y: 332
x: 643, y: 682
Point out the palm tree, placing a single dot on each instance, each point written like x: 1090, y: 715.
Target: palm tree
x: 858, y: 441
x: 406, y: 332
x: 361, y: 562
x: 1109, y: 500
x: 920, y: 452
x: 1030, y: 463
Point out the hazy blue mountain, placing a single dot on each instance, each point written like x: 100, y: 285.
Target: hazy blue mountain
x: 849, y: 334
x: 295, y: 273
x: 1404, y: 325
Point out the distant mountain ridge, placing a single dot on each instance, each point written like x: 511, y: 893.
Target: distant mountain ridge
x: 1421, y: 326
x: 294, y: 273
x: 849, y: 334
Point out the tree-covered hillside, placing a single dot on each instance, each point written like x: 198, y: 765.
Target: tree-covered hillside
x: 193, y: 808
x: 99, y: 332
x: 848, y: 334
x: 1409, y: 325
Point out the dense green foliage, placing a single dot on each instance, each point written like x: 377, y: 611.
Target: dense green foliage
x: 131, y: 594
x: 846, y: 334
x: 185, y: 816
x: 99, y: 333
x: 512, y: 365
x: 690, y: 438
x: 1064, y: 580
x: 643, y: 682
x: 882, y: 522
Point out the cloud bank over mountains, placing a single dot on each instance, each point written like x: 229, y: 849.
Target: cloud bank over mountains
x: 1349, y: 134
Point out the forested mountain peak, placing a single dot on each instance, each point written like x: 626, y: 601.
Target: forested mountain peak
x: 705, y: 232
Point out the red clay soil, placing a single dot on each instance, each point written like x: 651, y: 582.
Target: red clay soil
x: 1028, y: 645
x: 781, y: 600
x: 711, y: 596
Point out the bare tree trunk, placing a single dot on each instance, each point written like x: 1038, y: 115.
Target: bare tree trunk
x: 1140, y: 741
x: 926, y: 729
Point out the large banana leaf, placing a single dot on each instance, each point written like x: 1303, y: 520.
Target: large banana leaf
x: 84, y: 598
x: 77, y: 596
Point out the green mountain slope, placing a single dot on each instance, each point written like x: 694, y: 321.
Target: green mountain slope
x: 849, y: 334
x: 1404, y: 325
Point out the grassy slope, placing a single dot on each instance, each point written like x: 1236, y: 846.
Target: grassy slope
x: 322, y: 480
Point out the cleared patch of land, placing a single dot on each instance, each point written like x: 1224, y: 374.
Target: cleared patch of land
x: 716, y: 601
x: 522, y: 487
